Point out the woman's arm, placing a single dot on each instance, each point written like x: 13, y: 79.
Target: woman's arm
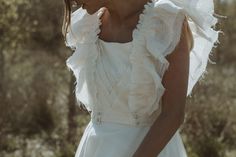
x: 175, y: 81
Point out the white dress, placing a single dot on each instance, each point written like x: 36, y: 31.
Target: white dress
x: 120, y: 83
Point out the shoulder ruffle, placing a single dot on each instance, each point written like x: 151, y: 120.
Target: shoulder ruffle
x: 158, y: 33
x: 163, y: 38
x: 81, y: 38
x: 84, y: 27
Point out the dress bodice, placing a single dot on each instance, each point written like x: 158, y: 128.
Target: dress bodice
x: 112, y: 77
x: 122, y: 82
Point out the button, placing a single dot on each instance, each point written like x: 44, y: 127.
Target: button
x: 98, y: 119
x: 136, y: 116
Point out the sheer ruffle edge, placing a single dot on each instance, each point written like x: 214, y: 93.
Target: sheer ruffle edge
x: 81, y: 38
x: 160, y: 31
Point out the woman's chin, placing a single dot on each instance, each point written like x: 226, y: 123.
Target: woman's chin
x: 89, y: 10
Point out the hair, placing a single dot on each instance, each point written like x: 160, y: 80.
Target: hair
x: 67, y: 16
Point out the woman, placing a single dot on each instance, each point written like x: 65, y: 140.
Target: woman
x: 135, y: 63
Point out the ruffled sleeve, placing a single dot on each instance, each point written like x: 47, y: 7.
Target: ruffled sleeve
x: 165, y: 35
x: 81, y: 38
x: 156, y: 36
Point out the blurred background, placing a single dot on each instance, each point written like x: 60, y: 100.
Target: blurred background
x: 39, y: 116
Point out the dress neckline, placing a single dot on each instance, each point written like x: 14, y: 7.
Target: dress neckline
x: 126, y: 45
x: 115, y: 43
x: 138, y: 26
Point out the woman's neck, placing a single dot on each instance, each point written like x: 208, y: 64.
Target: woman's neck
x: 122, y: 12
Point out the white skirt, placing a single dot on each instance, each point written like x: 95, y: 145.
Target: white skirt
x: 117, y: 140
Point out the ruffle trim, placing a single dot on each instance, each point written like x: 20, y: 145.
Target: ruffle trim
x: 84, y: 28
x: 159, y: 31
x: 166, y: 24
x: 145, y: 84
x: 82, y: 62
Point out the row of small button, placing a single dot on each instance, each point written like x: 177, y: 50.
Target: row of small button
x: 136, y: 117
x: 97, y: 117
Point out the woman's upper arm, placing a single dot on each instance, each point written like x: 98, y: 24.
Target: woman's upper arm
x: 175, y: 79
